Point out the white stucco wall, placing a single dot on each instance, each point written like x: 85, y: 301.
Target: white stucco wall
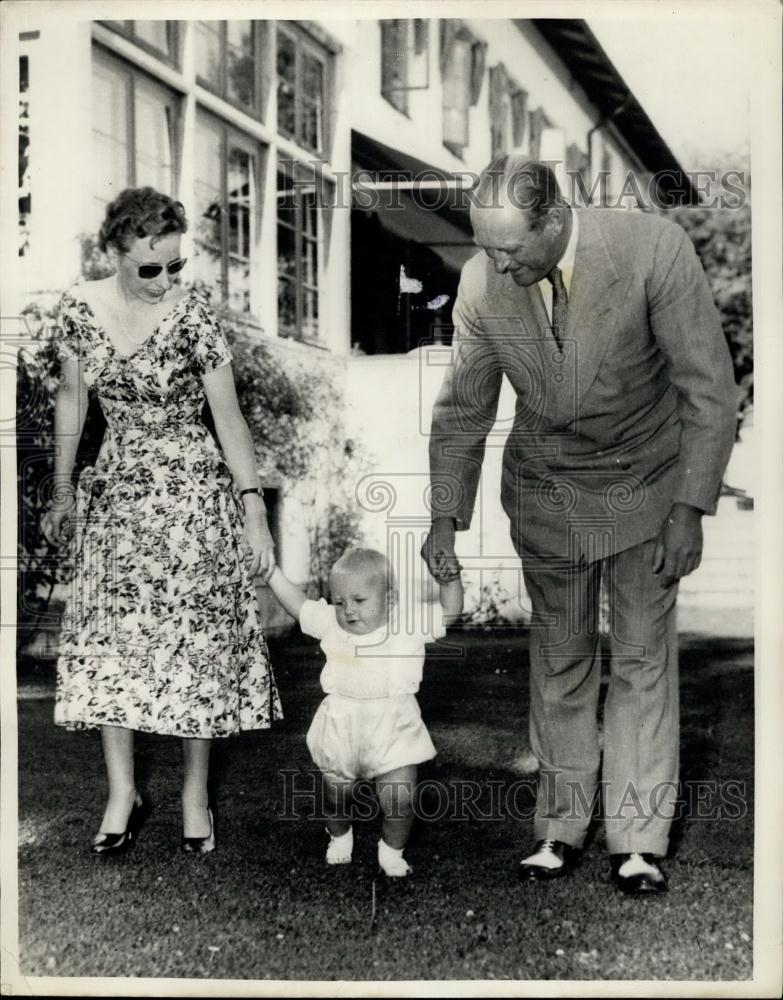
x: 390, y: 402
x: 526, y: 58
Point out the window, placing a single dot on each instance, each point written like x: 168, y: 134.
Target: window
x: 298, y: 252
x: 24, y: 196
x: 507, y: 111
x: 462, y: 58
x: 229, y: 59
x: 134, y: 122
x: 302, y: 95
x: 404, y: 59
x: 226, y: 196
x: 159, y: 36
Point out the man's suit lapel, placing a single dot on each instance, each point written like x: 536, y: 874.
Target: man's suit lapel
x: 594, y: 302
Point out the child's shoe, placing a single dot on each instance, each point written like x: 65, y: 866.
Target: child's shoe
x: 340, y: 849
x: 391, y: 861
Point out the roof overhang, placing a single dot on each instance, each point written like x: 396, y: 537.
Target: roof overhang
x: 581, y: 53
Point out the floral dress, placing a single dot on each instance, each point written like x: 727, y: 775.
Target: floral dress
x: 161, y: 630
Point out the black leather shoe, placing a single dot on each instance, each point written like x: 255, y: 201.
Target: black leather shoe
x: 567, y: 855
x: 201, y: 845
x: 118, y: 843
x: 652, y: 883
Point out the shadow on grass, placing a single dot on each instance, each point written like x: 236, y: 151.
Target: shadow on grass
x: 264, y: 905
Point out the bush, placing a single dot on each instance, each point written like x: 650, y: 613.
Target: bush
x: 722, y: 238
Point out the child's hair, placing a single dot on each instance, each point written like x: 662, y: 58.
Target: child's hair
x: 367, y: 560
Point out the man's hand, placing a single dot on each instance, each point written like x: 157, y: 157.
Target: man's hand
x: 679, y: 544
x: 438, y: 550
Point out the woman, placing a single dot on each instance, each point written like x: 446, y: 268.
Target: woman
x: 161, y: 633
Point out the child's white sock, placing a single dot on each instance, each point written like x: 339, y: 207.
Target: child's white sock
x: 391, y: 860
x: 340, y: 848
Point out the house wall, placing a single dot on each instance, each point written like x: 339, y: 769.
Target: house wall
x: 388, y: 399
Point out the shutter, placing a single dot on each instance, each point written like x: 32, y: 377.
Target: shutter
x: 478, y: 61
x: 449, y: 29
x: 421, y: 35
x: 518, y: 117
x: 498, y: 83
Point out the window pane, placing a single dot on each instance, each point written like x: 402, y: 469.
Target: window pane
x: 241, y: 62
x: 154, y: 33
x: 286, y: 202
x: 286, y: 84
x: 286, y: 226
x: 154, y: 145
x: 286, y: 252
x: 110, y: 134
x: 239, y: 284
x: 310, y: 315
x: 310, y: 262
x: 297, y: 253
x: 456, y: 80
x: 207, y: 234
x: 208, y: 52
x: 310, y: 213
x: 286, y: 306
x: 240, y: 202
x: 312, y: 126
x: 24, y: 195
x: 394, y: 55
x: 312, y: 77
x: 312, y: 102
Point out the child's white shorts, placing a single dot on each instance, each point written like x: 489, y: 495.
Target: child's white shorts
x: 355, y: 738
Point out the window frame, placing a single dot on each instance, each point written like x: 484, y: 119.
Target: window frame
x: 505, y: 134
x: 304, y: 42
x: 296, y: 333
x: 171, y: 58
x: 116, y: 64
x: 415, y: 28
x: 231, y: 136
x: 453, y: 33
x: 259, y: 79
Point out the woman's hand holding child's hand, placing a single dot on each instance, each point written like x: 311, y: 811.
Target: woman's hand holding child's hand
x: 258, y: 548
x: 56, y: 525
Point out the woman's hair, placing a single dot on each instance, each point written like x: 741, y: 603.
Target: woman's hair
x: 139, y: 212
x: 368, y: 561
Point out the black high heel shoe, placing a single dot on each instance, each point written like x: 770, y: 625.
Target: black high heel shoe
x: 201, y: 845
x: 118, y: 843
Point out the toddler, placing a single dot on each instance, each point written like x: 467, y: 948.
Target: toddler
x: 369, y: 725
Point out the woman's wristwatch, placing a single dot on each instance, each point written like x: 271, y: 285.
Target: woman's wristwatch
x: 251, y: 489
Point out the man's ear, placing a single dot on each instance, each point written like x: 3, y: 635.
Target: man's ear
x: 555, y: 220
x: 392, y: 596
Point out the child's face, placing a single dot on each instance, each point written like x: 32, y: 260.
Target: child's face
x: 361, y: 601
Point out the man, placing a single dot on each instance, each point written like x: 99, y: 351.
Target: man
x: 604, y: 324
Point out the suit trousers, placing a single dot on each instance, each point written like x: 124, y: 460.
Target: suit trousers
x: 637, y: 790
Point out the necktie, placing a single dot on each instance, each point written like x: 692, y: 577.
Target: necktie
x: 559, y: 305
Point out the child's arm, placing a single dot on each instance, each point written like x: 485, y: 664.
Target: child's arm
x: 451, y: 600
x: 451, y: 596
x: 290, y: 597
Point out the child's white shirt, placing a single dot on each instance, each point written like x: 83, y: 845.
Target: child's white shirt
x: 385, y: 663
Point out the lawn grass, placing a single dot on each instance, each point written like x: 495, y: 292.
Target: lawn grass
x: 264, y: 906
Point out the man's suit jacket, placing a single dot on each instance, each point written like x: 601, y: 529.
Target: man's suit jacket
x: 638, y: 411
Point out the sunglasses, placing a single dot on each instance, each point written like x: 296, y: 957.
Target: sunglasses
x: 149, y: 271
